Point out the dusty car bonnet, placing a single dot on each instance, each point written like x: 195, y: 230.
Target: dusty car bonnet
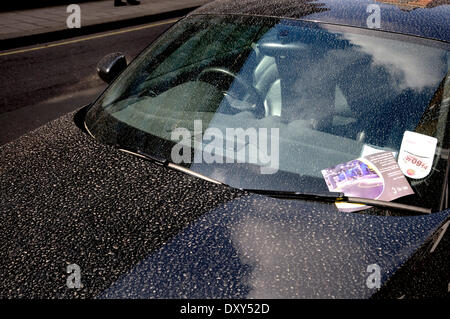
x: 137, y: 229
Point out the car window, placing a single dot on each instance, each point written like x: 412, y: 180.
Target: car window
x: 327, y: 92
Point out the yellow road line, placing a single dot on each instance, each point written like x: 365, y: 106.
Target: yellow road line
x: 46, y: 46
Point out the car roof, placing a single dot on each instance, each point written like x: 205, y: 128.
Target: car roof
x: 424, y: 18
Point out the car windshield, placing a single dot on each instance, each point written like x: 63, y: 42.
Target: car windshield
x: 267, y: 103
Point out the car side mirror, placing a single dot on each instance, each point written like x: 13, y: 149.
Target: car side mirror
x: 110, y: 66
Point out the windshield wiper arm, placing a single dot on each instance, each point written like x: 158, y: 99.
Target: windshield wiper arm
x: 164, y: 162
x: 338, y: 198
x: 153, y: 158
x: 324, y: 197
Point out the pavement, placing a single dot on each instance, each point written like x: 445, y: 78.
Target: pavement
x: 28, y: 27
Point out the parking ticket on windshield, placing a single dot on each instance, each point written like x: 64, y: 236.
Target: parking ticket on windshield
x: 416, y: 154
x: 376, y: 176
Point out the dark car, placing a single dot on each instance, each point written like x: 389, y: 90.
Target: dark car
x: 214, y: 165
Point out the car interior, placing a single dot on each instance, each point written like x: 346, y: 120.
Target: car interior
x: 276, y: 78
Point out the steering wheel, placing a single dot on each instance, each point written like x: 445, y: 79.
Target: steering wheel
x: 255, y: 100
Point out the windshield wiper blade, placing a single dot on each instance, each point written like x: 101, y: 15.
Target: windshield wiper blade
x: 338, y: 198
x: 153, y: 158
x: 164, y: 162
x: 324, y: 197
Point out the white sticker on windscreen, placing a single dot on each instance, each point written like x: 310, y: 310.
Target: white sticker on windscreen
x: 416, y: 154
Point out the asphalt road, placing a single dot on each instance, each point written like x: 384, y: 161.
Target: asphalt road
x: 42, y: 82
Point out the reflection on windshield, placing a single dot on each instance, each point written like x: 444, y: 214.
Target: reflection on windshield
x: 410, y: 66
